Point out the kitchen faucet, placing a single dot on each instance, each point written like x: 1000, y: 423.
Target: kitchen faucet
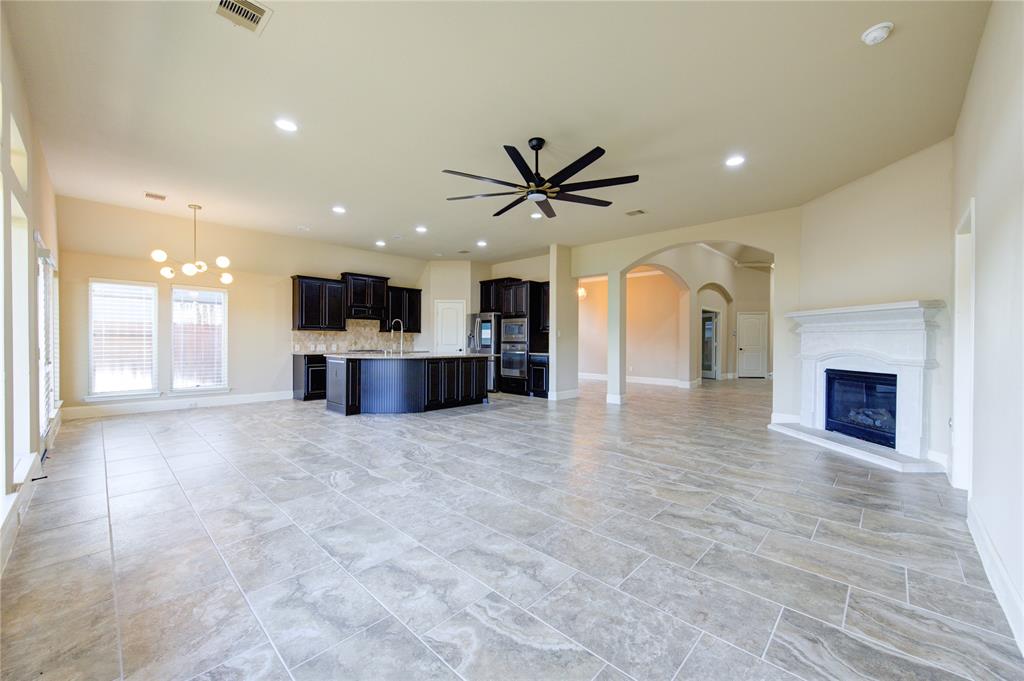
x: 401, y: 335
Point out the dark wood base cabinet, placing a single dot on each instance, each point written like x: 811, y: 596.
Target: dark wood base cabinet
x: 309, y: 377
x: 537, y: 375
x: 404, y: 385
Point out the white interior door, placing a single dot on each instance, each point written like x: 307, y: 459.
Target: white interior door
x: 449, y: 326
x: 752, y: 344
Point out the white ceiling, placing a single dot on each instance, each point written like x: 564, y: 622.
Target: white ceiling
x: 169, y: 97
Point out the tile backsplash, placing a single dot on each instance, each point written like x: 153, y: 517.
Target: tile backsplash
x: 361, y: 334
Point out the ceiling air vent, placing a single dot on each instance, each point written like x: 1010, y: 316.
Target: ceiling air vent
x: 155, y: 196
x: 634, y: 213
x: 244, y: 13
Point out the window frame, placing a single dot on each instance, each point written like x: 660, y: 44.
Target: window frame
x: 114, y: 395
x: 226, y: 385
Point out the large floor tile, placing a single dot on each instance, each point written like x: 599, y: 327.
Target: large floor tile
x: 259, y: 664
x: 814, y: 650
x: 960, y: 648
x: 247, y: 518
x: 272, y: 556
x: 180, y: 638
x: 958, y: 601
x: 638, y: 639
x: 386, y: 651
x: 144, y: 579
x: 41, y: 517
x: 772, y: 517
x: 509, y: 518
x: 320, y: 510
x: 362, y: 542
x: 809, y: 593
x: 420, y: 588
x: 736, y: 616
x: 597, y: 556
x: 732, y: 531
x: 514, y: 570
x: 715, y: 660
x: 842, y: 566
x: 655, y: 538
x: 39, y: 549
x: 929, y: 558
x: 494, y: 639
x: 312, y: 611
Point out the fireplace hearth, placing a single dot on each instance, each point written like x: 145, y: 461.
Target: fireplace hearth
x: 861, y: 404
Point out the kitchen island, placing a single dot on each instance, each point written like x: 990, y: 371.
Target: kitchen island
x: 379, y: 383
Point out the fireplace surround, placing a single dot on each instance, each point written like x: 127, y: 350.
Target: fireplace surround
x: 893, y: 339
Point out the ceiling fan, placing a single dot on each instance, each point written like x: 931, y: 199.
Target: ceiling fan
x: 542, y: 190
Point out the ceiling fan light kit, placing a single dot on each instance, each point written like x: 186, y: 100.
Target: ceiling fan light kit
x: 541, y: 190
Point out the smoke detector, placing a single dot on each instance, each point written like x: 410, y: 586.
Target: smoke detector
x: 876, y: 33
x: 245, y: 13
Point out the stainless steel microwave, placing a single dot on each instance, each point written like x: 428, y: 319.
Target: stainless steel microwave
x: 514, y: 330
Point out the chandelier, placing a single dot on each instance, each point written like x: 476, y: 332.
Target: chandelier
x: 196, y: 266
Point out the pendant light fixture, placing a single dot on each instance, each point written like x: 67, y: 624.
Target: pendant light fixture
x: 195, y: 266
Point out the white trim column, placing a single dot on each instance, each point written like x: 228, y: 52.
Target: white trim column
x: 616, y: 337
x: 563, y: 337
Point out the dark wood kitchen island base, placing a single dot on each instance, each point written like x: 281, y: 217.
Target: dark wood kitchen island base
x: 403, y: 384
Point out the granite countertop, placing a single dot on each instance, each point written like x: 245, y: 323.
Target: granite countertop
x: 408, y: 355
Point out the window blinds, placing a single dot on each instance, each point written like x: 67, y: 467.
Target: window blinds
x: 198, y: 338
x: 122, y: 337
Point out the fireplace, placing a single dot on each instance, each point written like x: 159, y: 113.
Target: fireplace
x: 861, y: 404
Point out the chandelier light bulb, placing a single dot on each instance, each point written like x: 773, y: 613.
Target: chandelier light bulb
x: 226, y: 278
x: 189, y: 269
x: 201, y: 266
x: 158, y: 255
x: 223, y: 261
x: 167, y: 272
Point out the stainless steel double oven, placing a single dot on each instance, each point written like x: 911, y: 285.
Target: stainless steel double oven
x: 514, y: 334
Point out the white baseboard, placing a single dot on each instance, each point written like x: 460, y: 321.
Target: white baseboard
x: 614, y: 399
x: 728, y: 377
x: 564, y: 395
x: 11, y: 507
x: 645, y: 380
x: 782, y: 417
x: 1006, y: 592
x: 170, y: 404
x: 941, y: 458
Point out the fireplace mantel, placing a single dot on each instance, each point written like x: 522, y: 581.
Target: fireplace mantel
x: 893, y: 338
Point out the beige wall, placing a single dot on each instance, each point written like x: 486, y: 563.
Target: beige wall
x: 533, y: 269
x: 661, y: 324
x: 103, y: 241
x: 885, y: 238
x: 988, y: 156
x: 20, y: 400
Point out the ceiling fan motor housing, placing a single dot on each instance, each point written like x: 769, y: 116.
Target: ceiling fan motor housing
x: 536, y: 143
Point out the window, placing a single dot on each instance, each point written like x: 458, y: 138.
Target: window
x: 199, y: 338
x: 122, y: 338
x: 46, y: 290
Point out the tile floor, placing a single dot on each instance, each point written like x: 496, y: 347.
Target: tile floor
x: 672, y: 538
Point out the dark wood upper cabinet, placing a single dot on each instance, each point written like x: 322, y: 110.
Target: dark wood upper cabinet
x: 405, y: 304
x: 515, y: 299
x: 318, y: 304
x: 366, y: 295
x: 492, y: 292
x: 545, y: 307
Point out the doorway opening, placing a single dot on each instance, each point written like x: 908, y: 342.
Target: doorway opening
x: 709, y: 364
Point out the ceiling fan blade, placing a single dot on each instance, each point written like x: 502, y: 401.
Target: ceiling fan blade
x: 594, y: 184
x: 480, y: 196
x: 581, y: 199
x: 576, y: 166
x: 521, y: 165
x: 485, y: 179
x: 510, y: 206
x: 546, y: 208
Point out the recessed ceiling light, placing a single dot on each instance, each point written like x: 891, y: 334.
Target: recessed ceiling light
x: 339, y: 209
x: 876, y: 33
x: 536, y: 216
x: 481, y: 243
x: 463, y: 252
x: 381, y: 244
x: 286, y: 125
x: 734, y: 161
x: 302, y: 228
x: 439, y: 255
x: 421, y: 229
